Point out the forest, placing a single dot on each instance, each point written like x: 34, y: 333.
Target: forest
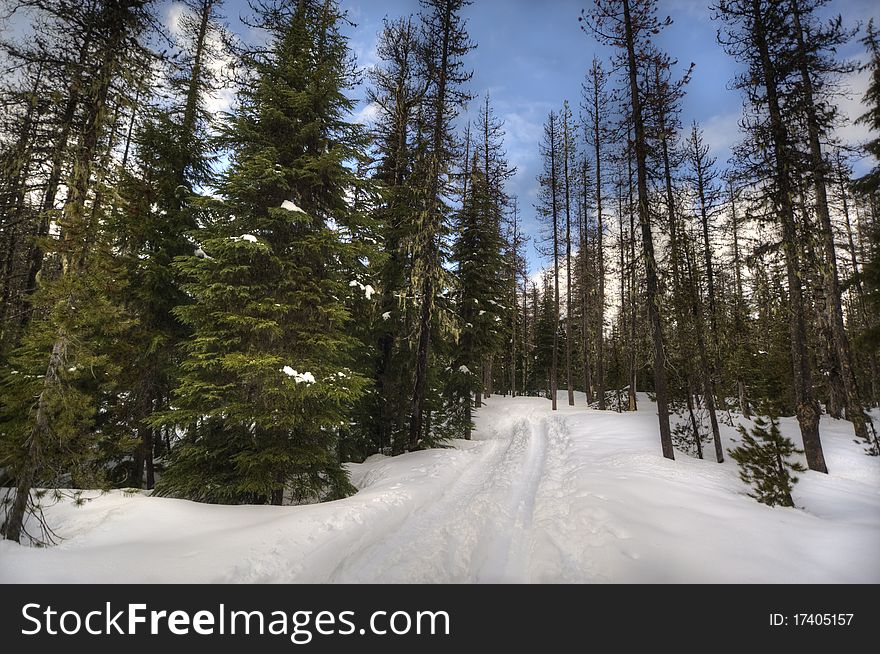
x: 231, y: 306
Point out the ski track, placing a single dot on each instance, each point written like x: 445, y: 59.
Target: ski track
x: 481, y: 527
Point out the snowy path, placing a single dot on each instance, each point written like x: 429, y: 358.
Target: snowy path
x: 537, y: 496
x: 478, y: 529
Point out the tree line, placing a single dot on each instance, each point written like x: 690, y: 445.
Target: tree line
x: 228, y: 306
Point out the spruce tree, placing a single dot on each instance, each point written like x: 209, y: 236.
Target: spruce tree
x: 172, y: 160
x: 266, y: 384
x: 52, y: 388
x: 445, y: 44
x: 480, y: 260
x: 765, y: 463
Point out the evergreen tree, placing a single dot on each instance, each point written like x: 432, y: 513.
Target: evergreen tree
x: 53, y: 386
x: 755, y: 33
x: 869, y: 184
x: 155, y: 215
x: 630, y: 26
x: 479, y: 257
x: 550, y: 209
x: 266, y: 386
x: 445, y: 45
x: 398, y: 89
x: 765, y: 464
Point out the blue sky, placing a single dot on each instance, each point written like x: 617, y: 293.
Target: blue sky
x: 532, y: 55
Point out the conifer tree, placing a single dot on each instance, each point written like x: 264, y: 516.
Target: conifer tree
x: 172, y: 161
x: 597, y: 133
x: 445, y: 44
x: 764, y: 459
x: 479, y: 258
x: 630, y: 26
x: 754, y: 33
x: 266, y: 384
x: 52, y: 386
x: 550, y: 209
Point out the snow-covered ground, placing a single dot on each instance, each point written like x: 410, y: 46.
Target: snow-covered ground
x: 575, y: 496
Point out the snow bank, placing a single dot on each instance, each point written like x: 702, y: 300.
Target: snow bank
x: 575, y: 496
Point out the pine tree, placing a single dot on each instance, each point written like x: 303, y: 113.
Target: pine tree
x: 816, y: 62
x: 398, y: 89
x: 765, y: 464
x: 550, y: 209
x: 597, y: 133
x: 64, y: 363
x: 630, y: 25
x: 172, y: 160
x: 266, y: 386
x: 445, y: 44
x: 869, y: 187
x: 754, y: 34
x: 479, y: 257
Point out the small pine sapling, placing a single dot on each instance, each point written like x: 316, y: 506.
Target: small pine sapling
x: 764, y: 459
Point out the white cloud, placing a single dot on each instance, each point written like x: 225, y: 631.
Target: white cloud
x: 850, y: 105
x: 721, y: 132
x: 367, y: 114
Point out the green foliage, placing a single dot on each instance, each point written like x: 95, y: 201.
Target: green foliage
x: 266, y: 385
x: 765, y: 463
x: 76, y: 315
x: 483, y: 290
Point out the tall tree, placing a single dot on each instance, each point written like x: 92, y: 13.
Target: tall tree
x: 551, y: 187
x: 266, y: 382
x: 172, y: 162
x: 595, y: 100
x: 50, y: 435
x: 815, y: 48
x: 755, y: 30
x: 397, y: 90
x: 568, y: 154
x: 630, y: 25
x: 445, y: 45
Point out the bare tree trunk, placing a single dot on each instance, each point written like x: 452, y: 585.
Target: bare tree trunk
x: 807, y: 408
x: 652, y: 290
x: 854, y: 410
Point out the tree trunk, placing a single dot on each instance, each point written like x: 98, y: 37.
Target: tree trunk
x: 806, y: 406
x: 854, y: 410
x: 652, y: 290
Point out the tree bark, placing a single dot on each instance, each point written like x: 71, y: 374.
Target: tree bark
x: 653, y: 297
x: 806, y: 406
x: 854, y: 409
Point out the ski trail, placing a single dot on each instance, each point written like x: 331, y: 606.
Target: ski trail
x: 511, y: 545
x: 479, y: 529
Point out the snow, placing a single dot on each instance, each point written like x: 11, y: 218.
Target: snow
x: 250, y: 238
x: 290, y: 206
x: 577, y: 495
x: 464, y: 369
x: 299, y: 378
x: 368, y: 290
x: 386, y: 315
